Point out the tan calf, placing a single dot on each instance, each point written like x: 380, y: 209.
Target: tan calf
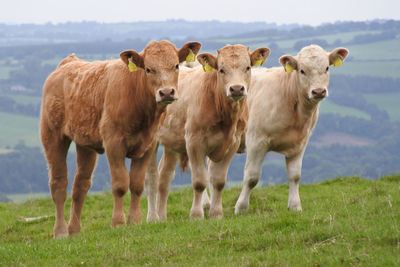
x: 207, y: 121
x: 113, y: 106
x: 283, y: 110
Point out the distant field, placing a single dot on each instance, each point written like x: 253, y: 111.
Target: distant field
x: 383, y: 50
x: 5, y: 71
x: 344, y: 222
x: 388, y: 102
x: 330, y: 38
x: 371, y: 68
x: 25, y: 99
x: 288, y: 44
x: 327, y: 107
x: 15, y: 128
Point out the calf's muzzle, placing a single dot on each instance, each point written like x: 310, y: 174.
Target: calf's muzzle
x: 237, y: 91
x: 319, y: 93
x: 166, y: 95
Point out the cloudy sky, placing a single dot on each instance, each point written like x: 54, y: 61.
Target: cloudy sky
x: 312, y: 12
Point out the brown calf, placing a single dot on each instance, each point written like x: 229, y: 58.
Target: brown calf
x: 207, y: 121
x: 113, y: 106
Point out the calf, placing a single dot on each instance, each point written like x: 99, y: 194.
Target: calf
x: 207, y: 121
x: 288, y: 101
x: 113, y: 106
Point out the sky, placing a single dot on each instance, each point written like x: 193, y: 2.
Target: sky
x: 311, y: 12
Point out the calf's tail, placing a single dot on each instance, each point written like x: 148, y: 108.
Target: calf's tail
x: 184, y: 162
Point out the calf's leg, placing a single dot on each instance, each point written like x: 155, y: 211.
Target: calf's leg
x: 86, y: 162
x: 167, y: 166
x: 293, y: 169
x: 151, y: 185
x: 205, y: 199
x: 218, y: 172
x: 197, y: 160
x: 56, y: 150
x: 137, y: 178
x: 119, y: 180
x: 252, y: 172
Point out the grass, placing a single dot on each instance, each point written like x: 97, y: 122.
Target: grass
x: 328, y: 107
x: 388, y: 102
x: 19, y: 198
x: 345, y: 221
x: 16, y: 128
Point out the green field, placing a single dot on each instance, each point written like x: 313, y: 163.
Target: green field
x: 16, y: 128
x: 26, y: 99
x: 383, y: 50
x: 388, y: 102
x: 345, y: 221
x: 375, y: 68
x: 328, y: 107
x: 5, y: 71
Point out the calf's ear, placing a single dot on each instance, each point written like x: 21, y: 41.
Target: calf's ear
x: 189, y: 51
x: 289, y: 63
x: 208, y: 61
x: 259, y: 56
x: 337, y: 56
x: 132, y: 59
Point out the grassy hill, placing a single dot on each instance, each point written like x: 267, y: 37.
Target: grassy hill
x: 346, y: 221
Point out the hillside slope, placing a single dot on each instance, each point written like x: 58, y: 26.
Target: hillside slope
x: 346, y: 221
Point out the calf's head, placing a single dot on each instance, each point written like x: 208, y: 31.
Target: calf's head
x: 311, y: 65
x: 233, y: 65
x: 160, y: 63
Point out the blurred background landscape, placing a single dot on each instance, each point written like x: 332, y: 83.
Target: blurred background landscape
x: 358, y: 132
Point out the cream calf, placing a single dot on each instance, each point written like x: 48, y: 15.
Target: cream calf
x: 283, y: 110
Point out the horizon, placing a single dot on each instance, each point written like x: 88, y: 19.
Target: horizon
x: 195, y: 21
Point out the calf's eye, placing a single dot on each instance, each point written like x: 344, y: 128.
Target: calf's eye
x: 148, y: 70
x: 302, y: 72
x: 221, y: 71
x: 248, y: 68
x: 177, y: 66
x: 327, y: 68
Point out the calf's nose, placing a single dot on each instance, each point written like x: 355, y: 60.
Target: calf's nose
x: 319, y: 92
x: 237, y: 90
x: 166, y: 95
x: 167, y: 92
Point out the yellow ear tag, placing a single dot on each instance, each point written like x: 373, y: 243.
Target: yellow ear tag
x: 132, y: 66
x: 288, y: 68
x: 190, y: 57
x: 259, y: 62
x: 208, y: 68
x: 338, y: 62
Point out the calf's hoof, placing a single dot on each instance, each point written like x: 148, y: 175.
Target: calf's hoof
x: 215, y: 213
x: 196, y: 214
x: 134, y: 220
x: 295, y: 207
x: 60, y: 231
x: 152, y: 217
x: 241, y: 207
x: 74, y: 229
x: 118, y: 220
